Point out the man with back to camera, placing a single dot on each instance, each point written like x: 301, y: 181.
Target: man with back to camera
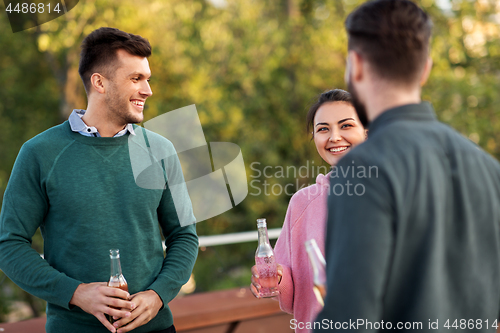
x: 417, y: 246
x: 76, y: 183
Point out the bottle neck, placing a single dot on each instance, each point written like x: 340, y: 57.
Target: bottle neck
x: 263, y: 237
x: 116, y: 268
x: 317, y: 262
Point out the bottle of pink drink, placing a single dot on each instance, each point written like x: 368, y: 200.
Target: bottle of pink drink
x: 266, y: 263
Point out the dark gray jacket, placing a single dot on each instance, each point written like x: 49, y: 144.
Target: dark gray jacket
x: 414, y: 236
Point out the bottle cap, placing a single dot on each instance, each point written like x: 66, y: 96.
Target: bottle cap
x: 115, y: 253
x: 261, y: 223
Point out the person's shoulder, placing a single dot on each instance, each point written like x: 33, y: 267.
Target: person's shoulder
x: 52, y: 137
x: 448, y: 141
x: 372, y: 151
x: 310, y: 194
x: 405, y: 137
x: 402, y: 143
x: 151, y: 138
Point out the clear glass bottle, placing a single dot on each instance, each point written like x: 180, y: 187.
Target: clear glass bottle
x: 266, y: 263
x: 318, y: 264
x: 116, y: 280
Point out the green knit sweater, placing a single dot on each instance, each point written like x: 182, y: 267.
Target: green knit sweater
x: 82, y: 193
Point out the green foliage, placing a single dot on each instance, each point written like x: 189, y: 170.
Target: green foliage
x: 252, y: 68
x: 28, y: 95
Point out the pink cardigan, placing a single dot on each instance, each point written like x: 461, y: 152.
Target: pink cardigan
x: 305, y: 219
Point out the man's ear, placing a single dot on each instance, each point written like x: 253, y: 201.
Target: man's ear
x: 355, y: 65
x: 426, y: 72
x: 97, y: 82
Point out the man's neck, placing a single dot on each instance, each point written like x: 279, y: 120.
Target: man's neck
x: 100, y: 121
x: 385, y: 98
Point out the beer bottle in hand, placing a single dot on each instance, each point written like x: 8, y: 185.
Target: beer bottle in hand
x: 116, y: 280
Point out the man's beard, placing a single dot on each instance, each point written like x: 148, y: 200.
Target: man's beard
x: 358, y: 105
x: 120, y: 108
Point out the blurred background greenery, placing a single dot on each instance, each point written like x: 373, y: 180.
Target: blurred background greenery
x: 252, y: 67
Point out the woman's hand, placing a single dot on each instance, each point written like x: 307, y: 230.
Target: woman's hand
x: 256, y: 283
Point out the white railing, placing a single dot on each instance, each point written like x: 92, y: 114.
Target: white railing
x: 238, y: 237
x: 234, y: 238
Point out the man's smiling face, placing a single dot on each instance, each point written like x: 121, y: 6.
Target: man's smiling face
x: 128, y: 88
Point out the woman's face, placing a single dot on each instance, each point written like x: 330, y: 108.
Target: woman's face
x: 337, y: 130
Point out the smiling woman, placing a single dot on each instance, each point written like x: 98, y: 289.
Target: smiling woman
x: 336, y: 129
x: 335, y: 125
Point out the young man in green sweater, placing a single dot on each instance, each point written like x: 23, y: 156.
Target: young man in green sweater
x: 76, y: 182
x: 417, y: 246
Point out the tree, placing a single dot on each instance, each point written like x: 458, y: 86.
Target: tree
x: 252, y: 68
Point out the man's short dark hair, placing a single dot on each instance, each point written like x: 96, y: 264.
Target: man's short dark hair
x: 99, y: 51
x: 393, y: 36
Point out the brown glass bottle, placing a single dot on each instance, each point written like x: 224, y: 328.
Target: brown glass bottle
x: 116, y: 280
